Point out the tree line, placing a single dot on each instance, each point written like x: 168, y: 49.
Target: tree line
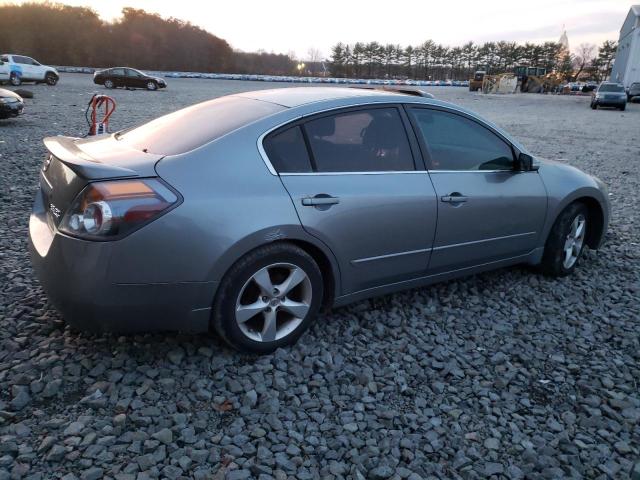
x: 59, y: 34
x: 433, y: 61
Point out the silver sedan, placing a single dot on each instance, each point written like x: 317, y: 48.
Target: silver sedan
x: 248, y: 213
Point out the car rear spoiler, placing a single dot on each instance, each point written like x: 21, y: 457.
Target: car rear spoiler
x: 92, y: 160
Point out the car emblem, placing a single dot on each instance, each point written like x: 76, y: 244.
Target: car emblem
x: 55, y: 211
x: 47, y: 162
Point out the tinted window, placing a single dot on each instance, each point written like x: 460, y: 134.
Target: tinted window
x: 288, y: 152
x: 133, y: 73
x: 362, y: 141
x: 194, y: 126
x: 22, y: 60
x: 457, y: 143
x: 4, y: 58
x: 116, y: 71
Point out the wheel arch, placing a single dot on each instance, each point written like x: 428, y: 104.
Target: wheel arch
x: 598, y: 217
x: 321, y: 254
x: 596, y: 224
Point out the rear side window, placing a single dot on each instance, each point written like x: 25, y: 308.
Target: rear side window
x: 287, y: 151
x: 455, y: 142
x: 4, y: 58
x: 116, y: 71
x: 360, y: 141
x: 192, y: 127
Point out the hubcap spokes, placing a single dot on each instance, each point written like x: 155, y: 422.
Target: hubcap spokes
x: 574, y: 241
x: 273, y: 302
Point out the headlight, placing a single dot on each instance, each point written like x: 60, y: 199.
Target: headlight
x: 112, y: 209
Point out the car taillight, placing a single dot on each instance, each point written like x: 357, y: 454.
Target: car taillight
x: 112, y: 209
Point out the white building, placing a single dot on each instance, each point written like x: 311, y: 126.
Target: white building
x: 564, y: 40
x: 626, y: 67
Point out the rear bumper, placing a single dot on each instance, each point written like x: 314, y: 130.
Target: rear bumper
x: 74, y: 275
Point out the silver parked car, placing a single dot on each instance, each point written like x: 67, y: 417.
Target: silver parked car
x: 249, y: 212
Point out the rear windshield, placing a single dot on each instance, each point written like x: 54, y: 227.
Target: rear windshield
x: 611, y: 88
x: 192, y: 127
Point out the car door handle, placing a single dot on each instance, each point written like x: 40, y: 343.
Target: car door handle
x: 455, y: 197
x: 319, y: 200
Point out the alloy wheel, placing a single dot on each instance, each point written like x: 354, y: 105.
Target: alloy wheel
x: 273, y: 302
x: 574, y: 241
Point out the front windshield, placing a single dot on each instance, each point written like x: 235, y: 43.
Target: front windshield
x: 611, y: 88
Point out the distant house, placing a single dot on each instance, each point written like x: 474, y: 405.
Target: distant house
x: 626, y: 68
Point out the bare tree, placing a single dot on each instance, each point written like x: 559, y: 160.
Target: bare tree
x: 584, y: 57
x: 314, y: 59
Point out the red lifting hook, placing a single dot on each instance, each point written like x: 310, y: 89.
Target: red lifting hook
x: 97, y: 101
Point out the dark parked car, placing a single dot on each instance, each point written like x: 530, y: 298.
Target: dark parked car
x: 11, y: 104
x: 609, y: 95
x: 634, y: 91
x: 247, y: 213
x: 127, y: 77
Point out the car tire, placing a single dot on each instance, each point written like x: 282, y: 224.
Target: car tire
x: 273, y: 318
x: 566, y: 241
x: 51, y: 79
x: 15, y: 80
x: 152, y: 85
x: 109, y: 84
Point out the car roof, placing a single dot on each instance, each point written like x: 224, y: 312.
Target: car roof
x: 298, y: 96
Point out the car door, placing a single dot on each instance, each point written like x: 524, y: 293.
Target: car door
x: 133, y: 78
x: 358, y: 190
x: 487, y: 210
x: 36, y: 70
x: 118, y: 77
x: 23, y: 66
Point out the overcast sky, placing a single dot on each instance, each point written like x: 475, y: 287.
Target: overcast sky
x: 284, y: 26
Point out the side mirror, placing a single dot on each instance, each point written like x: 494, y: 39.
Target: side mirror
x: 525, y: 163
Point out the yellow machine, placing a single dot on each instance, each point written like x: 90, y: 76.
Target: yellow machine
x: 475, y: 83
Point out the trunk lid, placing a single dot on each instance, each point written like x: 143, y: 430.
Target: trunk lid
x: 74, y: 162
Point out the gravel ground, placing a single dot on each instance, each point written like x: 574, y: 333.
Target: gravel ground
x: 503, y: 375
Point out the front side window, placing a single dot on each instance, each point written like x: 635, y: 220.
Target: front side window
x: 454, y: 142
x: 287, y: 151
x: 21, y: 60
x: 360, y: 141
x: 133, y: 73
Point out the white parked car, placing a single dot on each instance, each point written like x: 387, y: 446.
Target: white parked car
x: 20, y: 68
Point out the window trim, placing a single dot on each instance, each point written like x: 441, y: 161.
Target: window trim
x: 424, y: 150
x: 418, y: 162
x: 282, y: 129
